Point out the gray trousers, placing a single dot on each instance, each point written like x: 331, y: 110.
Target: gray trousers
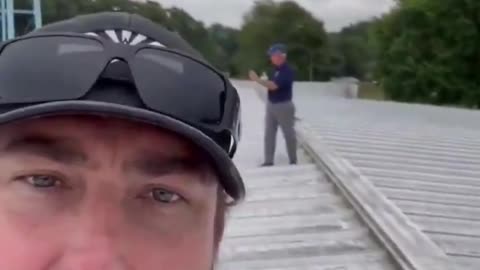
x: 283, y: 115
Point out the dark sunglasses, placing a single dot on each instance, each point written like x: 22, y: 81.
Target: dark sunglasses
x: 50, y: 67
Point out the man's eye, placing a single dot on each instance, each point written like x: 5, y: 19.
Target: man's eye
x: 41, y: 181
x: 164, y: 196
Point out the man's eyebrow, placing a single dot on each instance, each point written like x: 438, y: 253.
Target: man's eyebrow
x: 158, y: 164
x: 57, y: 149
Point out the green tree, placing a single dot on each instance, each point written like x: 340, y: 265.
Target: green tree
x: 287, y: 22
x: 429, y: 51
x: 226, y: 39
x: 356, y: 48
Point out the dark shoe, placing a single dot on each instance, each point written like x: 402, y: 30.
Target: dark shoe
x: 293, y: 163
x: 267, y: 164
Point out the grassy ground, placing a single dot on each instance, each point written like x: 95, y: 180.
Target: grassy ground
x: 369, y: 90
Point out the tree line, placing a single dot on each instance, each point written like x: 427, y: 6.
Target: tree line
x: 313, y: 51
x: 424, y: 51
x: 429, y: 52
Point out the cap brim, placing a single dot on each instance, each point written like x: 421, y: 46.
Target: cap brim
x: 228, y: 174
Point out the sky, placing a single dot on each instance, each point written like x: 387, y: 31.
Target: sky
x: 334, y: 13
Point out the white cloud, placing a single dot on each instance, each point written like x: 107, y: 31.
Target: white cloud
x: 335, y: 13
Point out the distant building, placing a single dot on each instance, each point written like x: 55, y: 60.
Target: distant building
x: 351, y: 86
x: 345, y: 79
x: 19, y: 20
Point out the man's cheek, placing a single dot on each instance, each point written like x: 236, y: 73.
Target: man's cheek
x: 24, y: 251
x: 192, y: 250
x: 194, y: 256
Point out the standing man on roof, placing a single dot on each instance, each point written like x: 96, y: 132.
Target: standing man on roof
x: 72, y: 196
x: 280, y: 108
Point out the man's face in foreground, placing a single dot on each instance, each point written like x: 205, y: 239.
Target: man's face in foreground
x: 93, y: 194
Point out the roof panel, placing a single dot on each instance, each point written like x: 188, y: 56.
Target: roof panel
x: 424, y: 158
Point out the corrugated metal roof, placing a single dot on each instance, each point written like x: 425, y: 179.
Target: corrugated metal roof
x: 293, y: 217
x: 423, y: 158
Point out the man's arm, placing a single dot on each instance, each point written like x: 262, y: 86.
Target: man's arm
x: 270, y: 85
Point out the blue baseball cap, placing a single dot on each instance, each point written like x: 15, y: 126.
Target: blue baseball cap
x: 277, y: 48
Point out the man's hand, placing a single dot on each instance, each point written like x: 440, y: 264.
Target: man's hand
x: 253, y: 76
x: 271, y: 86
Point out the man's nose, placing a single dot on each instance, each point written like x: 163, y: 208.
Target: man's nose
x: 94, y: 238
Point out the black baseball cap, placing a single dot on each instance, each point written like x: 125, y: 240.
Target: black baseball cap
x: 156, y: 78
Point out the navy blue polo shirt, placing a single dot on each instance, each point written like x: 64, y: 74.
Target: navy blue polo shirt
x: 283, y: 77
